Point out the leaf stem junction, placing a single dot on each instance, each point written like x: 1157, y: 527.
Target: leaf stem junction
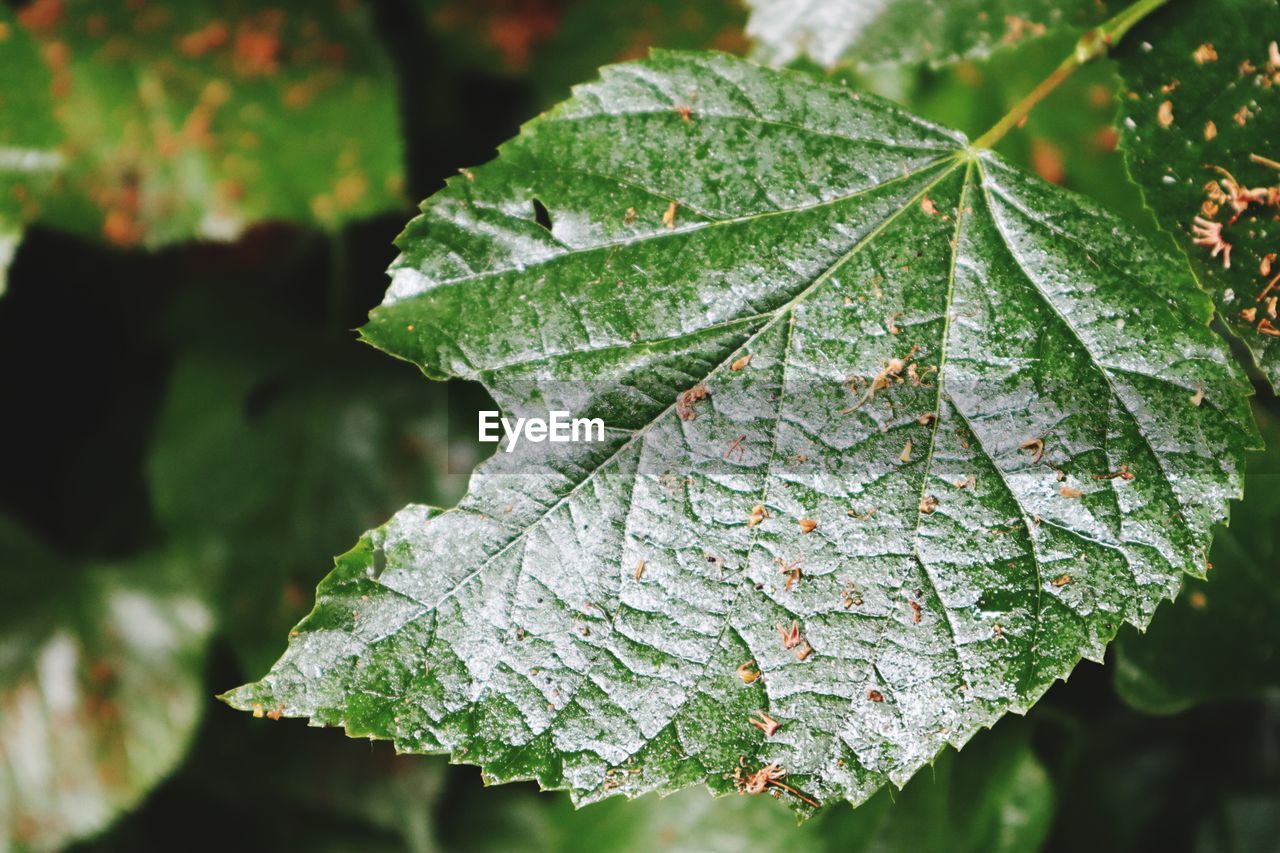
x: 1091, y: 45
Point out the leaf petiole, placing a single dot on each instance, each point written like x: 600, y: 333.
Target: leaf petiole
x: 1091, y: 45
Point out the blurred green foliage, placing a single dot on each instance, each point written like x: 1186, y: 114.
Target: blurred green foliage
x: 194, y: 432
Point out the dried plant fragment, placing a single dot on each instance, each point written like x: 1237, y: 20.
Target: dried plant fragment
x: 1204, y: 53
x: 747, y: 672
x: 791, y: 570
x: 686, y: 400
x: 768, y: 776
x: 1209, y: 234
x: 669, y: 218
x: 765, y: 723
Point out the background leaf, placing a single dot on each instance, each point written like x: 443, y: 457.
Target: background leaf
x: 1203, y: 88
x: 945, y: 585
x: 100, y: 689
x: 271, y: 455
x: 833, y: 32
x: 196, y: 120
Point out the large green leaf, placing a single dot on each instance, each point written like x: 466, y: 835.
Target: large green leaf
x: 100, y: 688
x: 859, y: 32
x: 1218, y: 640
x: 196, y: 120
x: 1202, y: 140
x: 919, y: 316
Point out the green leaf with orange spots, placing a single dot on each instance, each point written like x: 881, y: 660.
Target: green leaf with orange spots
x: 29, y: 136
x: 1201, y: 136
x: 893, y: 435
x: 555, y: 44
x: 197, y: 120
x: 100, y: 687
x: 892, y: 32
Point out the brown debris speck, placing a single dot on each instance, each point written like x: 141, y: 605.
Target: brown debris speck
x: 1210, y: 131
x: 669, y: 218
x: 875, y: 695
x: 758, y: 514
x: 915, y: 612
x: 791, y: 570
x: 741, y: 364
x: 765, y: 723
x: 639, y: 572
x: 686, y: 400
x: 1164, y: 114
x: 1061, y: 580
x: 1036, y: 447
x: 1069, y: 492
x: 808, y: 525
x: 747, y: 673
x: 928, y: 504
x: 1204, y: 53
